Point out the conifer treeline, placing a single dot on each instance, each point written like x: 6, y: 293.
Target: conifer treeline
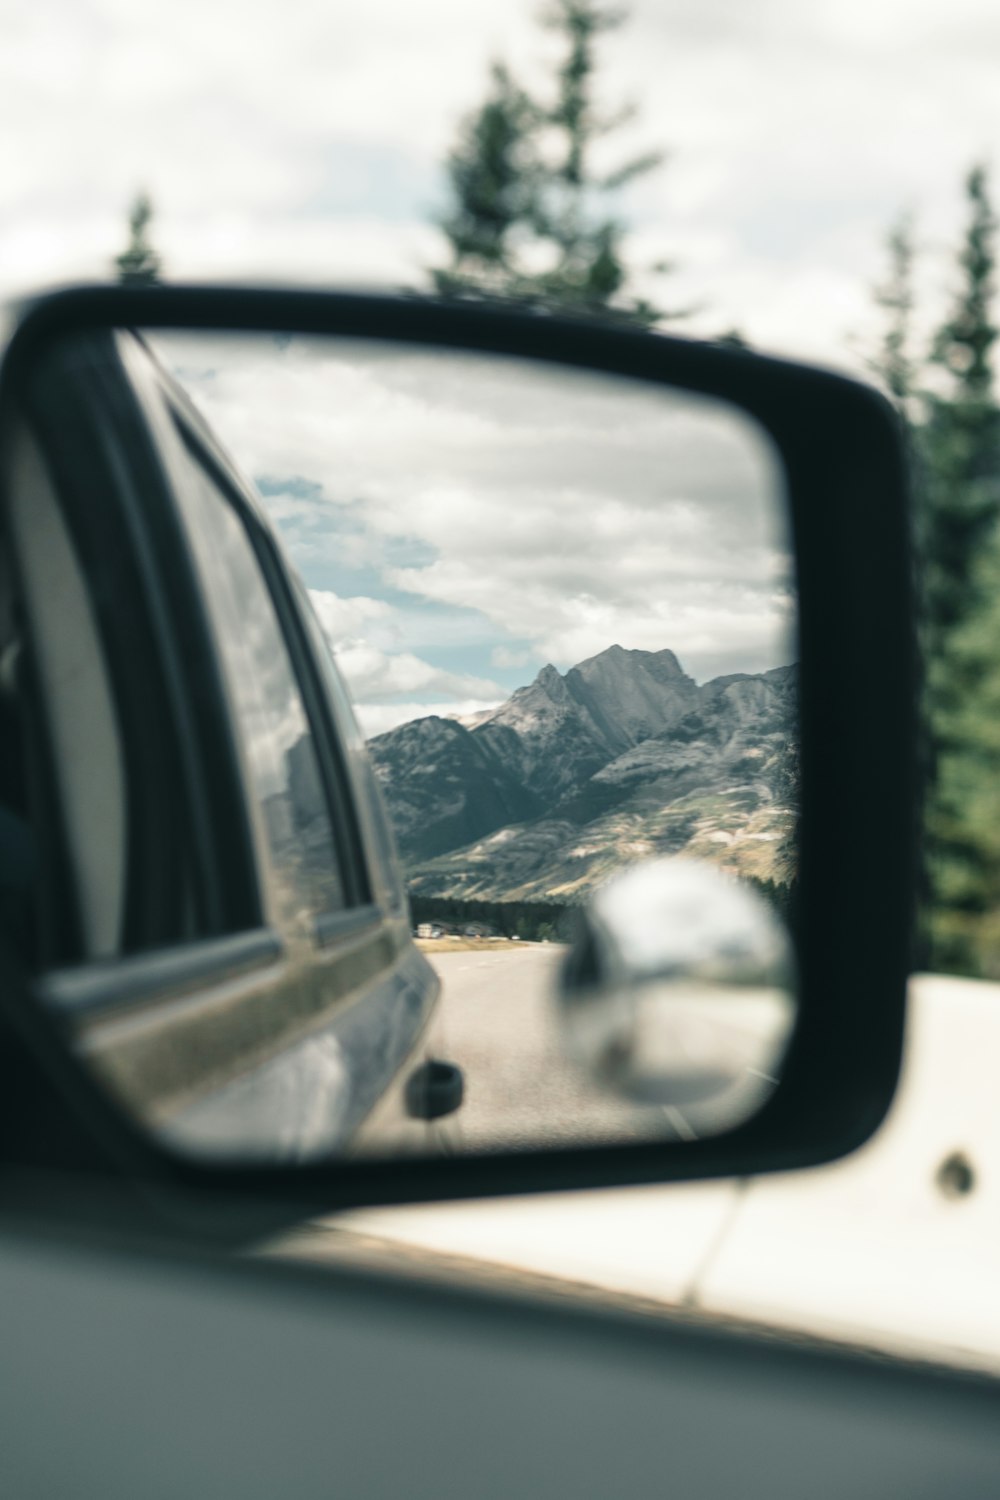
x: 531, y: 921
x: 945, y: 394
x: 544, y: 921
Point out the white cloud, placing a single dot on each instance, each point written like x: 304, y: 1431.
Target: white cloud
x: 373, y: 674
x: 505, y: 658
x: 346, y: 619
x: 304, y: 142
x: 382, y: 682
x: 569, y: 512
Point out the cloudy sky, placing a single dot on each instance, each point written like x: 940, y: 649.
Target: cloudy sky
x: 303, y: 142
x: 463, y: 520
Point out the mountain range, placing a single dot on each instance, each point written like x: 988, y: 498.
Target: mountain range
x: 576, y: 774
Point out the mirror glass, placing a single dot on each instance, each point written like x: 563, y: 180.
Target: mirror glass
x: 544, y: 646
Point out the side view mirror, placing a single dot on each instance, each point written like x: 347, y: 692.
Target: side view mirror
x: 356, y: 652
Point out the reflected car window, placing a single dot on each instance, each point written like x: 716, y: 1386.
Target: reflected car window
x: 281, y: 756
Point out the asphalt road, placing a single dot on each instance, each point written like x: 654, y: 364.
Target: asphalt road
x: 500, y: 1025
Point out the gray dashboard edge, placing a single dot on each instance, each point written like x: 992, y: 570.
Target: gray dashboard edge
x: 177, y: 1373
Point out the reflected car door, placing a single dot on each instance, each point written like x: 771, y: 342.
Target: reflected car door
x: 281, y: 1008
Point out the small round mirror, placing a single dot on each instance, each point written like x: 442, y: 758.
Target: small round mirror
x: 680, y: 991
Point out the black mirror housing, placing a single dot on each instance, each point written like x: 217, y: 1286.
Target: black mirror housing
x: 841, y: 450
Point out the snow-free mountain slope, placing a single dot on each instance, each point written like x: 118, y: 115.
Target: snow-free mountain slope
x: 622, y: 757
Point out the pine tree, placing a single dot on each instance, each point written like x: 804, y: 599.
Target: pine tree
x: 964, y: 344
x: 494, y: 180
x: 959, y: 543
x: 964, y: 812
x: 530, y: 214
x: 590, y: 271
x: 893, y: 363
x: 963, y: 500
x: 139, y: 264
x: 903, y: 378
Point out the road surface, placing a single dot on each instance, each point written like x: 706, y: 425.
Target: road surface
x: 500, y: 1025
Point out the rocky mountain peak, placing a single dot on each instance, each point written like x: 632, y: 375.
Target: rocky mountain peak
x: 550, y: 678
x: 624, y: 754
x: 419, y: 734
x: 544, y: 736
x: 662, y: 665
x: 631, y: 696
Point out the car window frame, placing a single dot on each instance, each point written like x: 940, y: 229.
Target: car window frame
x: 360, y: 907
x: 123, y: 1010
x: 114, y: 549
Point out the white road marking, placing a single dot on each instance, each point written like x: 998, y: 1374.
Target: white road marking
x: 677, y: 1120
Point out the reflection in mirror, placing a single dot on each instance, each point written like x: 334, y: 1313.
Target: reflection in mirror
x: 678, y: 992
x: 564, y: 607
